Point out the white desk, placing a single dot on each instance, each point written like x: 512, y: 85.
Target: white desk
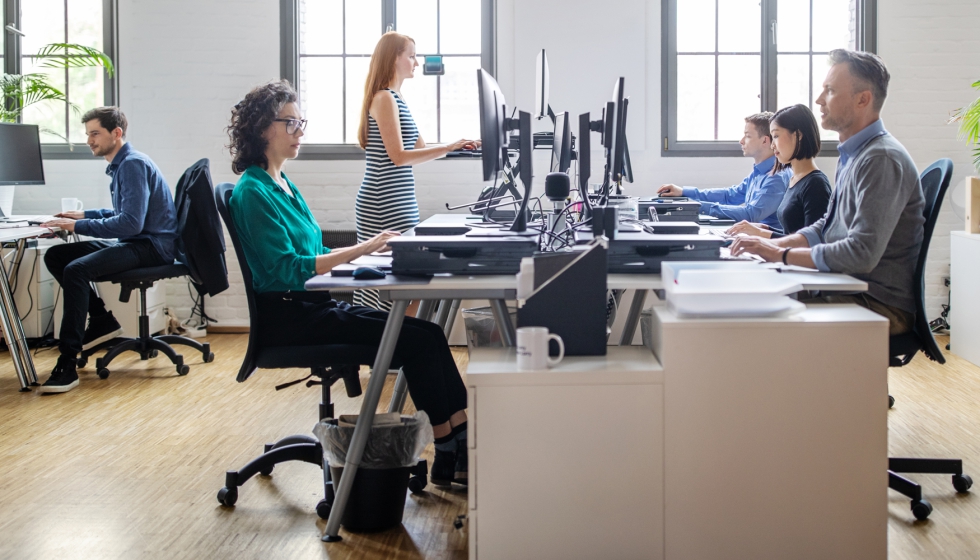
x: 13, y: 331
x: 964, y: 316
x: 750, y: 438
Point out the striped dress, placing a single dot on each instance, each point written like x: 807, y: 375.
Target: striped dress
x: 386, y: 200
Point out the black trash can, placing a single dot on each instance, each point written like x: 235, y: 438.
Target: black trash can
x: 389, y: 461
x: 377, y: 499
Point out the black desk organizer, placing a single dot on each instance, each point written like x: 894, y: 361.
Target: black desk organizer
x: 425, y: 255
x: 678, y: 209
x: 643, y: 253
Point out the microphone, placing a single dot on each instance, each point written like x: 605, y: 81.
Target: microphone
x: 556, y: 188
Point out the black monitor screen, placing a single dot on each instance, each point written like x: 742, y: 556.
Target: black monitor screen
x: 561, y: 155
x: 20, y: 155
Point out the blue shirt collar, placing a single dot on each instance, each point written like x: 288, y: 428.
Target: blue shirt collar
x: 120, y: 156
x: 764, y: 167
x: 856, y: 143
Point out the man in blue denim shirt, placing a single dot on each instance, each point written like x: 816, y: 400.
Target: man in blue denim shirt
x: 142, y: 218
x: 757, y: 197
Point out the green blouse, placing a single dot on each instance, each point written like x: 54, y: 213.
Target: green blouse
x: 278, y: 232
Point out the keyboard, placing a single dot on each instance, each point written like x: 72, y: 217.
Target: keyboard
x: 31, y: 220
x: 465, y: 154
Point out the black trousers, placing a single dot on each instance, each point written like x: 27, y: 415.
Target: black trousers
x: 75, y: 265
x: 433, y: 379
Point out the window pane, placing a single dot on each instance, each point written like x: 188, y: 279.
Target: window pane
x: 820, y: 67
x: 43, y: 22
x: 793, y: 80
x: 49, y: 115
x: 321, y: 28
x: 793, y: 31
x: 739, y: 88
x: 357, y: 71
x: 739, y: 26
x: 696, y: 26
x: 322, y: 99
x: 459, y: 27
x: 419, y: 94
x: 417, y: 19
x: 85, y: 23
x: 363, y: 19
x: 86, y: 90
x: 459, y: 99
x: 695, y: 97
x: 832, y: 24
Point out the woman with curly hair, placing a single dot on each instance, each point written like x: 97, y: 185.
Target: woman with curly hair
x: 388, y: 135
x: 283, y: 246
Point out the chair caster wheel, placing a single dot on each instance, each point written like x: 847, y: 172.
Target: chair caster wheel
x: 417, y: 484
x: 103, y: 373
x: 891, y: 401
x: 228, y: 496
x: 267, y: 471
x: 81, y: 362
x: 921, y: 510
x: 209, y: 357
x: 183, y: 369
x: 962, y: 483
x: 323, y: 509
x: 154, y: 353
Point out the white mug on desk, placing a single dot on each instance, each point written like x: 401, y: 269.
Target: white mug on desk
x: 71, y: 205
x: 532, y: 349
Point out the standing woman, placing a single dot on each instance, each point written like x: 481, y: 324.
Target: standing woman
x: 795, y: 143
x: 386, y: 200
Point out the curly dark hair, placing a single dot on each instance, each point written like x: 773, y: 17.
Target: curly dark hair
x: 250, y: 118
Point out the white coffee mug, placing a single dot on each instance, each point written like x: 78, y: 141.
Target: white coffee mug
x: 71, y: 205
x: 532, y: 349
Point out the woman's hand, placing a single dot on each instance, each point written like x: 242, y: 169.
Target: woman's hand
x: 757, y: 246
x: 464, y: 145
x: 748, y: 228
x: 379, y: 243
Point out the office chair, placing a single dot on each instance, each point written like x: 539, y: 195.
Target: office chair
x: 902, y: 348
x: 329, y: 363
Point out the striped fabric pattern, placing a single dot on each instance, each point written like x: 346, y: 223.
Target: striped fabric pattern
x: 386, y: 199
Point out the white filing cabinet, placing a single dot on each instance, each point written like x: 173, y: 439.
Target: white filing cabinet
x: 566, y: 463
x: 34, y: 289
x: 964, y: 282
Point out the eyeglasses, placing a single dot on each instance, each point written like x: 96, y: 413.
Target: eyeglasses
x: 292, y: 124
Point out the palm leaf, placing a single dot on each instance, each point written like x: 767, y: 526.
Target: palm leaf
x: 71, y: 55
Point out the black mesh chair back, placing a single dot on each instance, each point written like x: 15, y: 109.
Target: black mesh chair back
x: 902, y: 348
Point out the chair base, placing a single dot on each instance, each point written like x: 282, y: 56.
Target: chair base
x: 147, y: 347
x: 920, y: 507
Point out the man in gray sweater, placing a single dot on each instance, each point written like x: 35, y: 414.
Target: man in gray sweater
x: 873, y: 227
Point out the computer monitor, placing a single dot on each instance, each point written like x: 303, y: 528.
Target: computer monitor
x: 585, y: 128
x: 616, y: 125
x: 494, y: 126
x: 542, y: 88
x: 561, y: 150
x: 20, y: 155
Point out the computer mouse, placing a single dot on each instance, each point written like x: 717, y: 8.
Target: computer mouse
x: 368, y: 273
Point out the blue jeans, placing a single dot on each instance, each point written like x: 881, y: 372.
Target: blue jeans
x: 76, y: 265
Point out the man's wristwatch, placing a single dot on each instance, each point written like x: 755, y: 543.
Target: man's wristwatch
x: 785, y: 254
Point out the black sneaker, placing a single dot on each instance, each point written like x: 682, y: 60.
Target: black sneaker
x: 101, y: 329
x: 63, y: 378
x: 443, y: 468
x: 462, y: 463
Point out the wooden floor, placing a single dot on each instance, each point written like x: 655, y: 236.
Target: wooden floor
x: 128, y: 467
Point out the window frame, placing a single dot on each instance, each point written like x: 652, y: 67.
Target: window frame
x: 289, y: 62
x: 866, y: 40
x: 13, y: 55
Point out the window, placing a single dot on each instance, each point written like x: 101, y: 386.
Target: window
x: 86, y: 22
x: 327, y: 46
x: 726, y: 59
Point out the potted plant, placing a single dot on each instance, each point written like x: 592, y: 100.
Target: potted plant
x: 969, y: 119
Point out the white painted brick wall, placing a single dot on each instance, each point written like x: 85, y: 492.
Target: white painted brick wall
x: 184, y: 63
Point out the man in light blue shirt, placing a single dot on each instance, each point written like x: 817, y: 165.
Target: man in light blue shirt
x: 757, y: 197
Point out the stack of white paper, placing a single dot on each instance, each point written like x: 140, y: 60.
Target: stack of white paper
x: 728, y: 289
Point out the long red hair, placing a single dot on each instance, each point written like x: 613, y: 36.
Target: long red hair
x: 380, y: 74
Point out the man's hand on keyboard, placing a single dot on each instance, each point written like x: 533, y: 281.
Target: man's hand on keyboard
x: 66, y: 224
x: 73, y: 214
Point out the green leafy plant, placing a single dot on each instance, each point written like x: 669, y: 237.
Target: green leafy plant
x: 969, y: 119
x: 20, y: 91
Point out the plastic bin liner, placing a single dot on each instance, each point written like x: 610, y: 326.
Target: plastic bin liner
x: 389, y: 446
x: 481, y: 328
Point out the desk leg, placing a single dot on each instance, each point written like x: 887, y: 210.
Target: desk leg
x: 442, y: 314
x: 426, y: 307
x: 398, y: 394
x: 501, y: 317
x: 633, y: 318
x: 447, y: 327
x: 366, y: 418
x: 13, y: 332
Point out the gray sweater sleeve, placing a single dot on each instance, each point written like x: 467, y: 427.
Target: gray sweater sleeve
x: 878, y: 207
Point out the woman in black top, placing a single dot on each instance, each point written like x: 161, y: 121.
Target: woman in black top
x: 795, y: 142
